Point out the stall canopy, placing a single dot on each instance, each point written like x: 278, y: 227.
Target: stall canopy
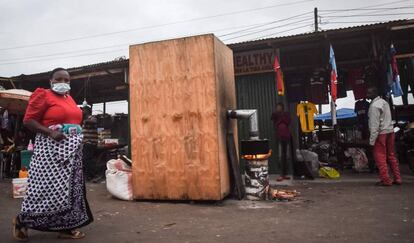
x: 343, y: 113
x: 14, y: 100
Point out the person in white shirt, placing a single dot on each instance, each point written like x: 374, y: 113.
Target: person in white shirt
x: 382, y: 138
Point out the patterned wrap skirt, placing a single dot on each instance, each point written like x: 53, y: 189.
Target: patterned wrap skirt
x: 56, y: 196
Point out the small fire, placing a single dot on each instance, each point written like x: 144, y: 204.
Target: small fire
x: 257, y: 156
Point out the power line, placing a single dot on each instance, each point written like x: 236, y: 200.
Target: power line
x: 280, y: 32
x: 367, y: 15
x: 64, y: 57
x: 103, y: 52
x: 268, y: 23
x: 370, y: 13
x: 62, y: 53
x: 369, y: 6
x: 117, y: 45
x: 350, y: 22
x: 251, y: 27
x: 41, y: 57
x: 366, y: 9
x: 153, y: 26
x: 271, y: 28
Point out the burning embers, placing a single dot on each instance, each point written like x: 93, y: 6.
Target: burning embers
x: 283, y: 195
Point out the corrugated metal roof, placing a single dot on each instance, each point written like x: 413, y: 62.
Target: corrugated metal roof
x: 101, y: 64
x: 378, y: 25
x: 114, y: 63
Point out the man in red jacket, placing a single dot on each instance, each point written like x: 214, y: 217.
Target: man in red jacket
x: 281, y: 121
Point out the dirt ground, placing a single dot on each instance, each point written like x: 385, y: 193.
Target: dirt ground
x: 351, y: 209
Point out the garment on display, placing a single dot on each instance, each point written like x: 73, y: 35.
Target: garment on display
x: 318, y: 86
x: 295, y: 87
x: 393, y: 75
x: 406, y: 70
x: 306, y: 112
x: 361, y: 109
x: 341, y: 86
x: 355, y: 79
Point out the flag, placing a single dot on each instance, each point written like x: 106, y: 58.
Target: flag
x: 334, y: 74
x: 280, y: 86
x: 394, y: 74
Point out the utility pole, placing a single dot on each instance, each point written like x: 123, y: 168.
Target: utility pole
x: 315, y: 16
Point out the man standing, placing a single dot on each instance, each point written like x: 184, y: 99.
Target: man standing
x: 382, y: 138
x: 281, y: 120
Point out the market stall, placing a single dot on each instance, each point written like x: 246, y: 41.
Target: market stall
x: 15, y: 138
x: 90, y: 85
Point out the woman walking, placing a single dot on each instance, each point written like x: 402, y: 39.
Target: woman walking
x: 56, y: 199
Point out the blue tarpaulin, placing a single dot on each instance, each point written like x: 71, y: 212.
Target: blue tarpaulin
x: 343, y: 113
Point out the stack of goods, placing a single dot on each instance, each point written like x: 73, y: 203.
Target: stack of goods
x: 90, y: 131
x: 102, y: 135
x: 323, y: 149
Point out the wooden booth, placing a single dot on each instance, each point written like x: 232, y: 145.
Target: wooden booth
x: 180, y: 91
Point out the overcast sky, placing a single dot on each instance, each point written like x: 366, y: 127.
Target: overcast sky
x: 101, y: 30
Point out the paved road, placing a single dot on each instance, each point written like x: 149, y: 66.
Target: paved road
x: 348, y: 210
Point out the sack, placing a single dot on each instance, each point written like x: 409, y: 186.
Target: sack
x: 328, y: 172
x: 299, y: 156
x: 359, y: 158
x: 311, y: 157
x: 119, y: 179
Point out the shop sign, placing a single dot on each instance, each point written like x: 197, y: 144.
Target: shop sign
x: 260, y: 61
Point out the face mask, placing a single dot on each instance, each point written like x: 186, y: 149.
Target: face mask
x: 61, y: 88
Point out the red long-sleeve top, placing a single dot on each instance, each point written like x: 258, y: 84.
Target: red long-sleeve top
x: 49, y: 108
x: 281, y: 121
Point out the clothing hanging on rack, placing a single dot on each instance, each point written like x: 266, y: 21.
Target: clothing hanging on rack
x: 355, y: 79
x: 306, y: 112
x: 361, y: 109
x: 318, y: 86
x: 295, y: 87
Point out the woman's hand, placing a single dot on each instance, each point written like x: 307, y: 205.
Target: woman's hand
x: 35, y: 126
x: 56, y: 135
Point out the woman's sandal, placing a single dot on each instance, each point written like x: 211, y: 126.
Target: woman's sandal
x: 71, y: 235
x: 19, y: 231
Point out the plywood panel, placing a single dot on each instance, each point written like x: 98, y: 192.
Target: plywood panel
x: 177, y: 118
x: 226, y: 100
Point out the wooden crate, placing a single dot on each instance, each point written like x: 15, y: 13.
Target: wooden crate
x: 179, y: 92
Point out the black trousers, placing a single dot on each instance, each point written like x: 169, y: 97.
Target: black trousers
x: 283, y: 163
